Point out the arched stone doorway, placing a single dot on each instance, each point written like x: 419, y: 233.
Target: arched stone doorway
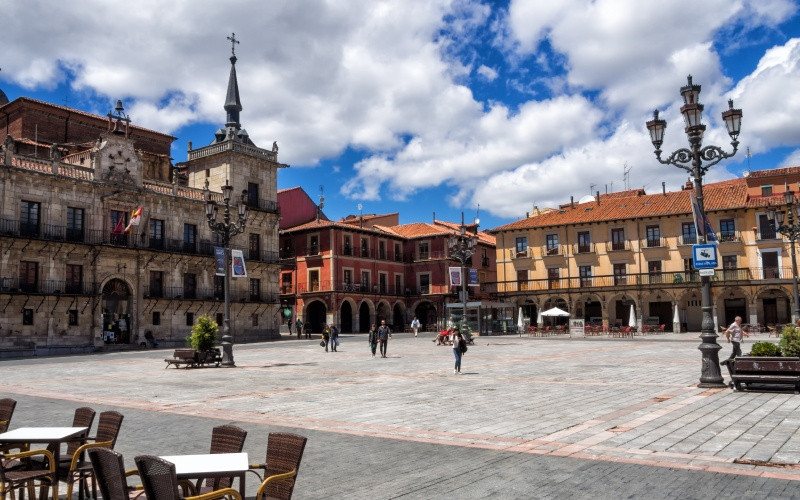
x: 398, y: 318
x: 316, y: 316
x: 346, y: 317
x: 382, y: 312
x: 363, y: 318
x: 116, y: 304
x: 426, y: 313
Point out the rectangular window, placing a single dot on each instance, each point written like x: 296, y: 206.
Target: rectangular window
x: 347, y: 277
x: 727, y: 230
x: 255, y: 319
x: 313, y: 281
x: 398, y: 252
x: 156, y: 284
x: 688, y: 234
x: 219, y: 287
x: 766, y: 190
x: 551, y: 246
x: 254, y: 246
x: 553, y: 277
x: 365, y: 281
x: 255, y: 289
x: 155, y: 231
x: 220, y: 320
x: 347, y: 249
x: 29, y: 218
x: 620, y: 274
x: 27, y: 316
x: 117, y: 231
x: 618, y: 239
x: 424, y: 283
x: 74, y: 282
x: 584, y: 242
x: 156, y: 319
x: 252, y: 194
x: 522, y: 279
x: 189, y: 318
x: 654, y: 270
x: 313, y: 245
x: 382, y: 250
x: 190, y: 286
x: 190, y: 238
x: 29, y: 276
x: 522, y: 246
x: 729, y: 267
x: 364, y: 247
x: 653, y: 236
x: 72, y: 320
x: 766, y: 227
x: 382, y: 284
x: 585, y: 273
x: 423, y: 250
x: 398, y: 284
x: 74, y: 224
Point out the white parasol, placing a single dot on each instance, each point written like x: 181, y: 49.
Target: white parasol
x: 520, y: 322
x: 555, y: 312
x: 676, y: 320
x: 632, y: 319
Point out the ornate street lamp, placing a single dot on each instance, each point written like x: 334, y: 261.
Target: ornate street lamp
x: 461, y: 249
x: 792, y: 231
x: 226, y: 230
x: 692, y: 160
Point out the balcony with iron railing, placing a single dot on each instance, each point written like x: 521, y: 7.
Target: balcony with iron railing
x: 654, y: 242
x: 521, y: 254
x: 729, y: 237
x: 550, y: 250
x: 768, y: 233
x: 618, y: 246
x: 204, y: 293
x: 582, y: 248
x: 10, y: 284
x: 687, y: 239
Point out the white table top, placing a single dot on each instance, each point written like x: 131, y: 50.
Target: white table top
x: 41, y: 434
x: 209, y: 463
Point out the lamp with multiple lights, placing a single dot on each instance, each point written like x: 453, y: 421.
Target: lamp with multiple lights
x: 226, y: 230
x: 792, y: 231
x: 697, y: 160
x: 462, y: 247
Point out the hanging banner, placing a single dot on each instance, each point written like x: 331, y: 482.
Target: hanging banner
x: 219, y: 253
x: 473, y: 277
x: 239, y: 271
x: 455, y: 276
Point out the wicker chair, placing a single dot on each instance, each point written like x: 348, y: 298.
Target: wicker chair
x: 284, y: 452
x: 6, y: 412
x: 79, y: 469
x: 109, y: 470
x: 13, y: 479
x: 160, y: 481
x: 224, y: 439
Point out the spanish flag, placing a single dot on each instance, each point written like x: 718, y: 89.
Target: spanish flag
x: 136, y: 217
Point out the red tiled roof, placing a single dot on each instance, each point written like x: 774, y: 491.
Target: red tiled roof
x: 773, y: 172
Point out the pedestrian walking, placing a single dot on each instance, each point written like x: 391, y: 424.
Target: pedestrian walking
x: 334, y: 337
x: 298, y: 325
x: 384, y: 334
x: 415, y: 325
x: 372, y: 338
x: 734, y: 334
x: 459, y: 348
x: 326, y: 336
x: 289, y: 325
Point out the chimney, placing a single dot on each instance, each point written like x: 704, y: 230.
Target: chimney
x: 598, y: 197
x: 663, y: 188
x: 689, y: 184
x: 189, y: 146
x: 434, y: 217
x: 527, y: 215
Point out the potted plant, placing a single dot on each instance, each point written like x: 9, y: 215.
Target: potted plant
x: 203, y: 338
x: 765, y: 349
x: 790, y: 341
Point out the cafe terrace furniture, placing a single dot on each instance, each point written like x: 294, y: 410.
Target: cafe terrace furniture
x: 79, y: 468
x: 6, y: 412
x: 284, y: 453
x: 224, y: 439
x: 12, y: 479
x: 160, y: 475
x: 112, y: 478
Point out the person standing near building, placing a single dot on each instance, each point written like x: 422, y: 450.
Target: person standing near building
x: 415, y: 325
x: 458, y: 350
x: 298, y: 325
x: 334, y: 337
x: 384, y: 334
x: 326, y: 336
x: 372, y: 338
x: 734, y: 334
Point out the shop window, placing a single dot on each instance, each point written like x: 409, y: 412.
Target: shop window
x: 189, y: 319
x: 73, y: 317
x: 156, y: 320
x: 27, y: 316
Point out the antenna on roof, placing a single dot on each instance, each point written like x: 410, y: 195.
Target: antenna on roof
x: 360, y: 216
x: 748, y: 156
x: 626, y: 175
x: 478, y: 215
x: 321, y: 200
x: 591, y: 187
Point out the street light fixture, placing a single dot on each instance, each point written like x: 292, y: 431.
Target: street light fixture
x: 691, y: 160
x: 461, y: 249
x: 792, y: 231
x: 226, y: 230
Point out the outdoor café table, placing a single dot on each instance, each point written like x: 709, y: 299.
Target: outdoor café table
x: 211, y: 465
x: 45, y: 435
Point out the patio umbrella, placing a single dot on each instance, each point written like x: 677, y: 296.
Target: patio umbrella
x: 632, y: 319
x: 520, y: 322
x: 539, y: 317
x: 676, y: 320
x: 554, y: 311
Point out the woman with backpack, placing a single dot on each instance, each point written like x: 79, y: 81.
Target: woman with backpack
x: 459, y: 348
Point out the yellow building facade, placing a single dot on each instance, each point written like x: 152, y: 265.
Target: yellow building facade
x: 632, y: 250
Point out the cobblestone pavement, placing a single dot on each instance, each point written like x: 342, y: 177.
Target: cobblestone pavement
x: 528, y: 418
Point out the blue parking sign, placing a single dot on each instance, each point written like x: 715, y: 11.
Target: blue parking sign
x: 704, y: 256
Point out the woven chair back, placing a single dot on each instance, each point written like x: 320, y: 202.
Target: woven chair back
x: 109, y: 469
x: 284, y: 453
x: 226, y: 439
x: 158, y: 477
x: 84, y: 417
x: 108, y: 426
x: 6, y: 412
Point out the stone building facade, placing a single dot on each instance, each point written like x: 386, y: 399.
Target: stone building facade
x: 72, y: 277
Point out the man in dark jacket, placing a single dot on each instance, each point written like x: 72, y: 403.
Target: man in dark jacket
x: 384, y: 334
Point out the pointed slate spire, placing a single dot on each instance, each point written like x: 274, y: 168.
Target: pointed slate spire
x: 232, y: 103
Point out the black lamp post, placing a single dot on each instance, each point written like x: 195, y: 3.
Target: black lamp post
x: 792, y: 231
x: 461, y: 249
x: 692, y: 160
x: 226, y: 230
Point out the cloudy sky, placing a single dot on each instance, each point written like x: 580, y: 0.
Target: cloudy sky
x: 422, y: 106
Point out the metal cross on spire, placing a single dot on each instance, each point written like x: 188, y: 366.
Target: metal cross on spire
x: 234, y: 41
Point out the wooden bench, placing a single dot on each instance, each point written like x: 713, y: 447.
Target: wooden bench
x: 180, y: 357
x: 763, y: 370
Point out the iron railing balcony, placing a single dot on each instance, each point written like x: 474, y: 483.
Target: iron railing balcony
x: 654, y: 242
x: 10, y: 284
x: 520, y: 254
x: 618, y: 246
x: 548, y: 250
x: 688, y: 239
x: 729, y: 236
x: 583, y: 247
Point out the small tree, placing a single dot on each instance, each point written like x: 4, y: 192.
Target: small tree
x: 204, y: 334
x: 790, y: 341
x: 765, y: 349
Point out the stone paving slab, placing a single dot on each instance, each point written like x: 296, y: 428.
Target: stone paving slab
x: 528, y: 418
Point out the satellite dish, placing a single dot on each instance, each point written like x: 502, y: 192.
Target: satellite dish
x: 477, y: 221
x: 586, y: 199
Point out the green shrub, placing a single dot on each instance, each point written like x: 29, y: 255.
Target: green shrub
x: 765, y: 349
x: 204, y: 334
x: 790, y: 341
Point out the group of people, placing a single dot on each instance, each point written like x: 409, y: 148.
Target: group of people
x: 379, y: 337
x: 330, y: 335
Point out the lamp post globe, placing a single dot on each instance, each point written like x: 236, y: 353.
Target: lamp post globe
x: 697, y: 160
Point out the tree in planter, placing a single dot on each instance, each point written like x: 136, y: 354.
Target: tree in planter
x: 204, y: 334
x: 790, y: 341
x: 765, y: 349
